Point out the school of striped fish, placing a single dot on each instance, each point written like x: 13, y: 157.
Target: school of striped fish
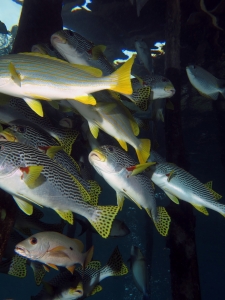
x: 73, y: 84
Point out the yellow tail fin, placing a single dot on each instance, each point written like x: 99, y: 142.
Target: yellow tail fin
x: 143, y: 151
x: 163, y: 221
x: 104, y: 216
x: 121, y: 82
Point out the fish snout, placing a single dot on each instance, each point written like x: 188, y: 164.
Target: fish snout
x: 22, y: 251
x: 169, y: 89
x: 57, y: 39
x: 96, y: 155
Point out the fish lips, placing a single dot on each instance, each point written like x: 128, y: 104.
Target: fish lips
x: 22, y: 251
x: 96, y: 156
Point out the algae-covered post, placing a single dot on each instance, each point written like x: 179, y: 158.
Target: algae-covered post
x: 181, y: 240
x: 38, y: 21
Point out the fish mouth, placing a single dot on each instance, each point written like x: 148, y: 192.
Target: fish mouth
x: 6, y: 136
x: 169, y: 89
x: 58, y: 39
x: 97, y: 155
x: 22, y: 251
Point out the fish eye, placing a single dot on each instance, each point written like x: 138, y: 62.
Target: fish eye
x: 21, y: 129
x: 110, y: 149
x: 164, y: 79
x: 79, y: 291
x: 33, y: 240
x: 1, y: 147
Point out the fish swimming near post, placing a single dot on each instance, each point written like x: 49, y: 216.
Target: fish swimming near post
x: 179, y: 184
x: 207, y: 85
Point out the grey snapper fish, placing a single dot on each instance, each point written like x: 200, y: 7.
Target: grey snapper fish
x: 42, y: 141
x: 89, y: 279
x: 144, y: 54
x: 139, y: 271
x: 76, y: 49
x: 206, y: 84
x: 30, y: 176
x: 16, y: 111
x: 54, y: 249
x: 34, y: 77
x: 179, y: 184
x: 121, y: 172
x: 116, y: 120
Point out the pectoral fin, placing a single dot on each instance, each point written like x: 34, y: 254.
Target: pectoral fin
x: 120, y: 200
x: 94, y: 129
x: 31, y: 174
x: 50, y: 151
x: 26, y: 207
x: 35, y: 105
x: 71, y: 269
x: 170, y: 175
x: 14, y: 74
x: 53, y: 266
x: 139, y: 168
x: 97, y: 51
x: 123, y: 144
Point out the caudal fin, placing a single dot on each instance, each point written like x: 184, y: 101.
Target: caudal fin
x: 143, y: 151
x: 103, y: 218
x: 120, y: 79
x: 162, y: 223
x: 115, y: 265
x: 141, y: 97
x: 66, y: 137
x: 18, y: 266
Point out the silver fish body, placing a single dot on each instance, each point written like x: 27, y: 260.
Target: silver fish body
x: 139, y: 271
x: 78, y: 50
x: 52, y: 248
x: 177, y: 182
x: 54, y: 187
x: 206, y: 84
x: 113, y: 165
x: 144, y: 54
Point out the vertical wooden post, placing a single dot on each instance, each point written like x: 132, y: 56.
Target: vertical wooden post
x: 38, y: 21
x: 181, y: 240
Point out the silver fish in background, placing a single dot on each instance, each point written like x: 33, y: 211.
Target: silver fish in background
x: 55, y: 249
x: 206, y: 84
x: 25, y: 223
x: 121, y: 172
x: 78, y: 50
x: 33, y: 174
x: 139, y: 271
x: 179, y: 184
x: 46, y: 49
x: 64, y: 283
x: 16, y: 111
x: 144, y: 54
x: 116, y: 120
x: 23, y: 75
